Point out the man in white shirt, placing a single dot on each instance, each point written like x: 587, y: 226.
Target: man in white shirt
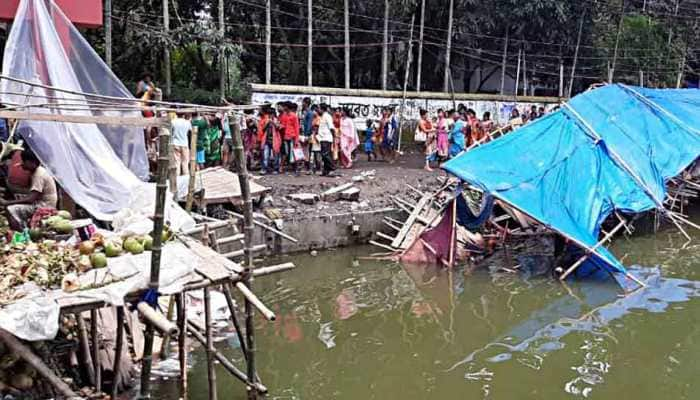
x: 181, y: 127
x: 326, y: 132
x: 42, y: 193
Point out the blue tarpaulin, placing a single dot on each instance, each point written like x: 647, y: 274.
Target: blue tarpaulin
x: 608, y: 149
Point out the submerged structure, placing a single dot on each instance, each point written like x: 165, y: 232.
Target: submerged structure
x: 607, y: 152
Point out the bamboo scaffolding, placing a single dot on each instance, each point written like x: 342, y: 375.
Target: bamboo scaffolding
x: 211, y: 372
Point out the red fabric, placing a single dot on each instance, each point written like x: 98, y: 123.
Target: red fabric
x: 41, y: 214
x: 85, y: 13
x: 18, y: 176
x: 433, y: 245
x: 290, y: 125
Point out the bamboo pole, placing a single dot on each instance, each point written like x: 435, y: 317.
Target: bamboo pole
x: 211, y: 372
x: 193, y: 169
x: 96, y: 350
x: 453, y: 234
x: 405, y: 82
x: 248, y: 222
x: 255, y: 301
x: 85, y: 347
x: 118, y: 352
x: 226, y: 290
x: 194, y: 330
x: 419, y: 64
x: 26, y: 354
x: 265, y: 226
x: 581, y: 260
x: 165, y: 345
x: 182, y: 342
x: 154, y: 280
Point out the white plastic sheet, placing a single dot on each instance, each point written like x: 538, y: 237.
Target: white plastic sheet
x: 36, y: 316
x: 99, y: 166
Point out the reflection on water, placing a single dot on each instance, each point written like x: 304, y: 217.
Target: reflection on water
x: 385, y: 331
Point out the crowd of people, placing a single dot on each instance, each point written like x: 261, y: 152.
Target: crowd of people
x: 317, y: 139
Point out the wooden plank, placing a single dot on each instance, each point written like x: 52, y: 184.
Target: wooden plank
x: 334, y: 193
x: 385, y: 236
x: 85, y: 119
x: 396, y: 243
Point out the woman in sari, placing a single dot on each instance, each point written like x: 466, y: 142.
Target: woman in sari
x: 348, y: 139
x: 213, y: 133
x: 443, y: 142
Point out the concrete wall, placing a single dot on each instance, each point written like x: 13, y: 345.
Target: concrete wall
x: 319, y: 232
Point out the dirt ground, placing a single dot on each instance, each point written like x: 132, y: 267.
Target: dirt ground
x: 381, y: 180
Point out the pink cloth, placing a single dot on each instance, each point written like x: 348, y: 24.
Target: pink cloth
x: 348, y: 141
x: 443, y: 142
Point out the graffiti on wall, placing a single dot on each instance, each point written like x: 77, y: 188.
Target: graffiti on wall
x: 371, y: 107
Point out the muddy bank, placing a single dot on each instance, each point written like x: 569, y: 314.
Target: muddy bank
x: 377, y: 182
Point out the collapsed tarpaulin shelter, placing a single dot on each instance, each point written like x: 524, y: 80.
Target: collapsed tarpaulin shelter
x: 99, y: 166
x: 608, y: 149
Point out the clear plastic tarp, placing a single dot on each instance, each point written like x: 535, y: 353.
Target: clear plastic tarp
x: 99, y: 166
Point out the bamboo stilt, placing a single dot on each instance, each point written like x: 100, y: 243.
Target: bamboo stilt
x: 182, y: 342
x: 153, y: 284
x: 193, y: 170
x: 118, y: 352
x: 96, y: 350
x: 165, y: 346
x: 226, y: 289
x: 211, y: 372
x: 85, y: 347
x: 589, y: 253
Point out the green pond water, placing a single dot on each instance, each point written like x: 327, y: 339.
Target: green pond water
x: 350, y: 329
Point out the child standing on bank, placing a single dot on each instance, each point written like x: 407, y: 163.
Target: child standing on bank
x: 369, y: 141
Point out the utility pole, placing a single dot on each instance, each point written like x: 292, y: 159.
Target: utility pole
x: 561, y: 78
x: 309, y: 44
x: 517, y: 72
x: 419, y: 66
x: 222, y: 50
x: 524, y: 74
x: 347, y: 44
x: 385, y: 46
x: 409, y: 57
x: 108, y: 33
x: 504, y: 62
x: 448, y: 51
x: 166, y: 50
x: 578, y: 44
x: 268, y: 42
